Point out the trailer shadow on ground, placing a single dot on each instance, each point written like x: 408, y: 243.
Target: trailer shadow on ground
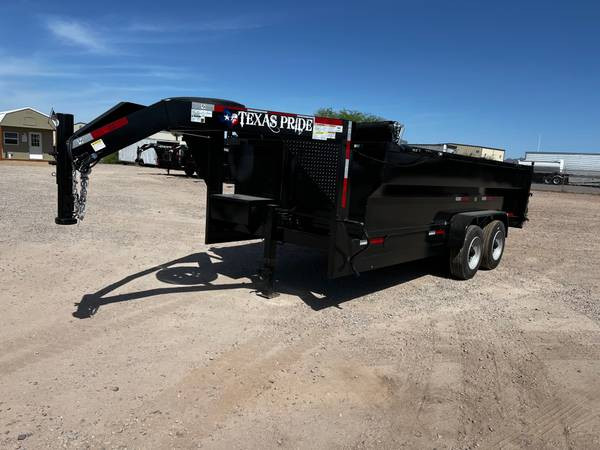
x: 300, y: 272
x: 173, y: 174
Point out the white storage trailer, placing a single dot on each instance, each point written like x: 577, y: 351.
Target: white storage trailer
x: 129, y: 153
x: 574, y: 163
x: 549, y: 172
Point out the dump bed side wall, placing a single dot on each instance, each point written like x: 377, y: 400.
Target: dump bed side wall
x: 402, y: 195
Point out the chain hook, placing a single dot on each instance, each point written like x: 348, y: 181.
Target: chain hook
x: 80, y: 192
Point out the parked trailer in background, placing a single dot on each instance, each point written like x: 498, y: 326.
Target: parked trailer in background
x: 170, y: 156
x: 129, y: 154
x: 549, y: 172
x: 349, y: 189
x: 586, y: 164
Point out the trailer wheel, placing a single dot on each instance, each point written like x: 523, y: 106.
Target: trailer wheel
x: 189, y: 171
x: 556, y: 180
x: 494, y: 238
x: 547, y: 179
x: 465, y: 261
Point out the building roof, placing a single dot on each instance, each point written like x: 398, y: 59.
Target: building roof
x: 466, y: 145
x: 541, y: 152
x: 4, y: 113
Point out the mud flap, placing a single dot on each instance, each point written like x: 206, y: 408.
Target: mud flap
x: 339, y: 252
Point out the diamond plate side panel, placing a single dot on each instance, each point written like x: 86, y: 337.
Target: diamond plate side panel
x: 319, y: 162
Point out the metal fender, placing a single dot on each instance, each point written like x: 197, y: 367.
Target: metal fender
x: 461, y: 221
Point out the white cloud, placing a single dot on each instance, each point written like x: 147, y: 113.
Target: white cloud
x: 101, y: 38
x: 13, y: 67
x: 85, y: 100
x: 41, y: 67
x: 77, y: 34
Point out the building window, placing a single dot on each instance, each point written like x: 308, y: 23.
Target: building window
x: 11, y: 138
x: 35, y: 140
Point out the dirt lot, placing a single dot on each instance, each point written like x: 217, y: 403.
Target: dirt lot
x: 181, y: 354
x: 593, y: 189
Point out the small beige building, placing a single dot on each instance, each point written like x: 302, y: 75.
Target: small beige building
x: 25, y: 134
x: 476, y: 151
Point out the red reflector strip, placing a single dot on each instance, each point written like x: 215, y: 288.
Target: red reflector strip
x: 119, y: 123
x: 437, y: 232
x: 221, y: 108
x: 377, y: 241
x: 511, y: 214
x: 344, y: 192
x: 329, y: 121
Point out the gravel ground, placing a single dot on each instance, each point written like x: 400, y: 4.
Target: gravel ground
x: 182, y: 354
x: 572, y: 188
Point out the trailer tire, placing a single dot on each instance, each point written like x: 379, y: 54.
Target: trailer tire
x: 494, y: 240
x: 465, y: 261
x: 189, y: 171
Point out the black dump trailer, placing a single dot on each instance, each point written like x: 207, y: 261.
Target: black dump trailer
x: 350, y: 189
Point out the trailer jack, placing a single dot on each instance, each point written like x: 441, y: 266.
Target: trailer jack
x: 267, y: 271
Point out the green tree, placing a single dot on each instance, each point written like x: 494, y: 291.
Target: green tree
x: 113, y: 158
x: 348, y: 114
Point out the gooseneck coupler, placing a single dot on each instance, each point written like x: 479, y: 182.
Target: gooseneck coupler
x: 64, y: 171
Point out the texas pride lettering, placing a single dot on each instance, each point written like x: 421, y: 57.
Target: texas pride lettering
x: 275, y: 122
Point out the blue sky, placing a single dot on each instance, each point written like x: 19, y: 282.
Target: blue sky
x: 491, y: 73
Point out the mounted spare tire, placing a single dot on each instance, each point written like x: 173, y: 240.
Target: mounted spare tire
x: 465, y: 261
x: 494, y: 238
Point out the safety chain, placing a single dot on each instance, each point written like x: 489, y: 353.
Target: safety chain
x: 81, y: 193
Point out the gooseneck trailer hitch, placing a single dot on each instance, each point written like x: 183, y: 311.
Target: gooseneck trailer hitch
x: 352, y: 190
